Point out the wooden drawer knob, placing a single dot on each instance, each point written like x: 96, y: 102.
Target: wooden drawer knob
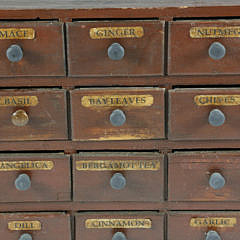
x: 116, y: 51
x: 25, y: 236
x: 20, y: 118
x: 216, y: 51
x: 117, y: 118
x: 118, y: 181
x: 119, y: 236
x: 23, y: 182
x: 216, y: 181
x: 14, y: 53
x: 212, y: 235
x: 216, y: 118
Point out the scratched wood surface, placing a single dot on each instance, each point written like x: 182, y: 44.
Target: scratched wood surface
x: 156, y: 231
x: 49, y: 222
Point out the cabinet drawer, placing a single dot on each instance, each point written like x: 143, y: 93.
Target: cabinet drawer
x: 33, y: 114
x: 204, y: 176
x: 121, y: 176
x: 115, y: 48
x: 204, y: 47
x: 31, y: 49
x: 203, y: 225
x: 35, y: 177
x: 117, y: 114
x: 204, y: 114
x: 37, y: 226
x: 102, y: 226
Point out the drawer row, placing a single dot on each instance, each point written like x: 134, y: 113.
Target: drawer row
x: 119, y: 48
x: 120, y: 177
x: 120, y: 226
x: 99, y: 114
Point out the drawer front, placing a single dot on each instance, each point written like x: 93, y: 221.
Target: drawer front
x: 203, y: 225
x: 115, y: 48
x: 204, y: 176
x: 121, y: 176
x: 37, y: 226
x: 204, y: 114
x: 33, y: 114
x: 117, y: 114
x: 31, y: 49
x: 207, y: 47
x: 35, y: 177
x: 102, y: 226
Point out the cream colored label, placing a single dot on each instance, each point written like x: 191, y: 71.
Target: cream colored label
x: 118, y: 223
x: 24, y: 225
x: 218, y: 100
x: 11, y: 101
x: 213, y: 222
x: 17, y: 33
x: 214, y: 32
x: 116, y: 32
x: 26, y: 165
x: 117, y: 165
x: 117, y: 100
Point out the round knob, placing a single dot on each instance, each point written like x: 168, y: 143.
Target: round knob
x: 116, y: 51
x: 216, y: 51
x: 23, y: 182
x: 216, y: 181
x: 212, y: 235
x: 119, y: 236
x: 216, y: 118
x: 118, y: 181
x: 25, y: 236
x: 14, y: 53
x: 20, y: 118
x: 117, y: 118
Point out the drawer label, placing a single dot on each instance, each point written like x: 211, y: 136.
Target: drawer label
x: 11, y: 101
x: 116, y: 32
x: 17, y: 33
x: 26, y: 165
x: 213, y: 222
x: 117, y: 165
x: 214, y: 32
x: 117, y: 100
x: 118, y: 223
x: 24, y: 225
x: 219, y: 100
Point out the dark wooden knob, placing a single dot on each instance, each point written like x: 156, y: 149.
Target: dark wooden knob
x: 118, y: 181
x: 20, y: 118
x: 23, y: 182
x: 216, y: 181
x: 216, y: 51
x: 116, y: 51
x: 117, y: 118
x: 212, y: 235
x: 14, y: 53
x: 216, y: 118
x: 119, y: 236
